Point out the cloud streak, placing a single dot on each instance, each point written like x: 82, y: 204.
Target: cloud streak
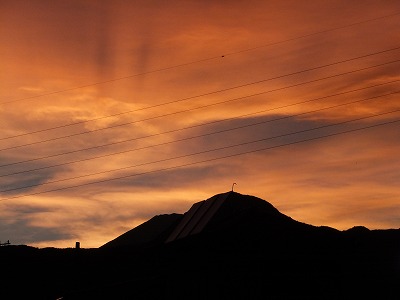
x: 341, y: 181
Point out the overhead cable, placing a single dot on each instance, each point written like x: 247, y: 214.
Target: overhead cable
x: 204, y: 59
x: 202, y: 161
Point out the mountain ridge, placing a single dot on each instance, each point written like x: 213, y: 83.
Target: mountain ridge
x: 236, y: 210
x: 246, y: 249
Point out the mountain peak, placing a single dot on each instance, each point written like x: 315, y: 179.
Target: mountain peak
x: 222, y: 211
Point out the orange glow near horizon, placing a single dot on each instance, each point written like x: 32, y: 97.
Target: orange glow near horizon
x: 195, y: 76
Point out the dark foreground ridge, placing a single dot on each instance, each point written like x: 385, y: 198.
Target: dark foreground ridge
x: 230, y: 246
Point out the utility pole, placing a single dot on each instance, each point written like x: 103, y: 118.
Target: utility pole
x: 5, y: 244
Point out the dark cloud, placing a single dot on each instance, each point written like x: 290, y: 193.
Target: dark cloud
x: 175, y: 178
x: 269, y: 130
x: 16, y: 177
x: 23, y: 211
x: 21, y: 231
x: 21, y: 184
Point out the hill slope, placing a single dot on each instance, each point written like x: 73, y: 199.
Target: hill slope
x: 151, y: 232
x: 246, y: 250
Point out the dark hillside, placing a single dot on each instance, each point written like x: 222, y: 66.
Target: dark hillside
x: 247, y: 250
x: 150, y: 233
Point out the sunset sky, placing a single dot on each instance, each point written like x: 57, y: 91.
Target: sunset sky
x: 115, y: 111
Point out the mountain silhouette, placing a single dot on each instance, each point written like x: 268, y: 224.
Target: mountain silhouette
x: 230, y: 246
x: 151, y: 232
x: 228, y: 215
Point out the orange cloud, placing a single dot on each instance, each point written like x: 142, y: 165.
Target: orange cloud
x: 195, y: 77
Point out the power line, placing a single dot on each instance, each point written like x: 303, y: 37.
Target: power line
x: 196, y: 153
x: 196, y: 96
x: 312, y: 34
x: 193, y: 126
x: 196, y: 108
x: 200, y: 152
x: 202, y: 161
x: 203, y: 60
x: 220, y: 131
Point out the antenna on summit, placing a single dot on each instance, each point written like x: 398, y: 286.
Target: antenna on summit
x: 233, y: 185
